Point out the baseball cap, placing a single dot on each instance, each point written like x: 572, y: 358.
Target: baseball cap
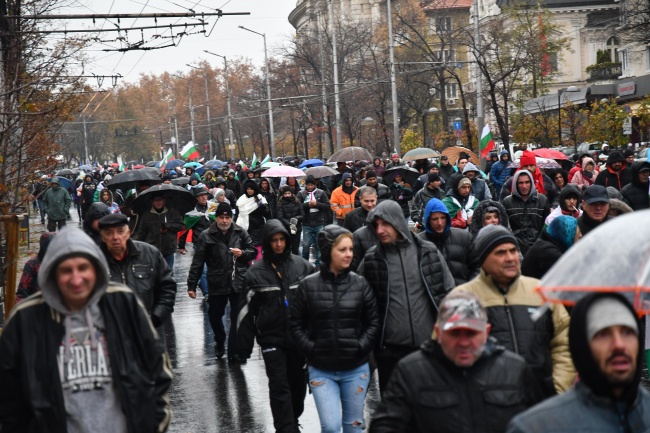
x: 462, y: 310
x: 595, y: 194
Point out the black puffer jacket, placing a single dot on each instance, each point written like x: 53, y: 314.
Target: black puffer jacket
x: 264, y: 312
x: 434, y: 273
x: 213, y: 249
x: 145, y: 271
x: 334, y: 319
x: 383, y: 193
x: 287, y: 209
x: 635, y: 193
x: 526, y: 216
x: 541, y: 256
x: 609, y: 177
x: 426, y: 390
x: 95, y: 212
x: 364, y: 239
x: 160, y: 229
x: 355, y: 219
x: 454, y: 245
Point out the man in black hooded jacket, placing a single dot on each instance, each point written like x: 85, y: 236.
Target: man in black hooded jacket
x: 635, y: 193
x: 264, y: 313
x: 616, y: 174
x: 606, y: 348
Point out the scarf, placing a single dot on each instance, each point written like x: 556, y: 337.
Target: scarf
x: 247, y: 205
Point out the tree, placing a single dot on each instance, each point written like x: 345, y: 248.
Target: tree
x: 606, y: 123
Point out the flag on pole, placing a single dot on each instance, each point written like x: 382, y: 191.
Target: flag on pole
x: 243, y: 166
x: 121, y: 164
x: 487, y: 142
x: 254, y: 161
x: 189, y: 152
x: 266, y: 159
x: 168, y: 157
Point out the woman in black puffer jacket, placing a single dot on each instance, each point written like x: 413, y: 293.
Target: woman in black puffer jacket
x: 334, y: 322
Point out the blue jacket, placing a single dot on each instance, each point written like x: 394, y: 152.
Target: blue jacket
x: 499, y: 172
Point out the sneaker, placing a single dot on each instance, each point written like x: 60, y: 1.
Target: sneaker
x: 220, y: 350
x: 236, y: 359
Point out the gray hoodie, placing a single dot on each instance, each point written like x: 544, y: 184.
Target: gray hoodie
x: 91, y: 401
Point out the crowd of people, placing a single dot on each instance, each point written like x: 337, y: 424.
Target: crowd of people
x: 427, y: 281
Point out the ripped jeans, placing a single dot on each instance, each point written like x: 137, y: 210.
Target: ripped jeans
x: 340, y: 397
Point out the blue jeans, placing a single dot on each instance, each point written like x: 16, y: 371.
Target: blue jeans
x: 309, y: 238
x: 203, y: 281
x: 41, y: 208
x: 339, y: 397
x: 170, y: 262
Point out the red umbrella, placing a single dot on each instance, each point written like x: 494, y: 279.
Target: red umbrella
x: 544, y: 152
x: 137, y: 167
x: 114, y: 164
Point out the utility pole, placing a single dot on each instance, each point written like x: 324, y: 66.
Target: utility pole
x: 337, y: 121
x: 268, y: 91
x: 85, y: 141
x: 225, y: 77
x: 479, y: 83
x: 207, y: 108
x: 393, y: 81
x: 192, y: 115
x: 325, y: 117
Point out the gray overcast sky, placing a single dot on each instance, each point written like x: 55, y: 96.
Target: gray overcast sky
x: 267, y: 16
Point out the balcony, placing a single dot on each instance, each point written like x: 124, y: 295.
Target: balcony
x: 604, y: 71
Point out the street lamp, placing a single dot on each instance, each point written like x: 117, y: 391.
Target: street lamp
x: 268, y: 91
x: 560, y: 92
x: 207, y: 106
x: 424, y: 124
x: 225, y: 76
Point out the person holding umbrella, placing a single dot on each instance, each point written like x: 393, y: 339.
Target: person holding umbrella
x: 159, y: 227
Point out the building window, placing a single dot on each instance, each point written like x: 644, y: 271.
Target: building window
x: 443, y: 24
x: 552, y: 62
x: 612, y: 49
x: 624, y: 59
x: 451, y: 91
x: 445, y: 56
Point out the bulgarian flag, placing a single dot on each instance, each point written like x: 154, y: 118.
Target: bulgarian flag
x: 254, y: 162
x: 122, y: 165
x: 487, y: 142
x: 168, y: 157
x: 189, y: 152
x: 243, y: 165
x: 266, y: 159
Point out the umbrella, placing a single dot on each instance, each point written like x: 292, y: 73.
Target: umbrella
x: 65, y: 172
x: 352, y: 153
x: 541, y: 163
x: 271, y: 164
x: 622, y: 267
x: 454, y: 152
x: 409, y: 175
x: 173, y: 164
x: 192, y: 164
x: 284, y: 171
x: 115, y: 164
x: 85, y: 167
x: 181, y: 181
x: 131, y: 178
x: 420, y: 153
x: 549, y: 153
x: 176, y: 197
x: 213, y: 163
x: 64, y: 183
x: 311, y: 162
x: 139, y: 166
x: 148, y: 164
x: 322, y: 171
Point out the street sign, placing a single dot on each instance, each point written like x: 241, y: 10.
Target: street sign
x: 458, y: 126
x: 627, y: 126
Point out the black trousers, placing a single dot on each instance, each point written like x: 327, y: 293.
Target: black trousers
x: 287, y: 386
x: 216, y: 308
x: 387, y: 358
x: 295, y: 242
x: 53, y: 224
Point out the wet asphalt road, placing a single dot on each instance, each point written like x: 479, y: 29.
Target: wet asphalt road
x: 210, y: 395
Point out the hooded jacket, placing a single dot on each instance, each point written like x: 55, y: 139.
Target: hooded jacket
x: 342, y: 202
x: 270, y: 287
x: 542, y: 343
x: 160, y: 229
x: 555, y: 240
x: 562, y: 209
x: 590, y: 405
x: 225, y: 273
x: 433, y: 279
x: 253, y: 211
x: 88, y: 189
x: 581, y: 179
x: 28, y: 284
x: 95, y: 212
x: 333, y: 318
x: 121, y: 350
x: 609, y: 177
x: 526, y: 216
x: 290, y: 208
x: 479, y: 215
x: 480, y: 188
x: 56, y: 202
x: 426, y: 389
x: 499, y: 171
x: 635, y: 193
x: 421, y: 199
x: 453, y: 243
x: 460, y: 208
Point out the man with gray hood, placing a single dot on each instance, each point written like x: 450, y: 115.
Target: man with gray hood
x: 409, y: 277
x: 82, y: 354
x: 480, y: 188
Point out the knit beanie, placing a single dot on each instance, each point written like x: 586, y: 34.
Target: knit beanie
x: 310, y: 180
x: 463, y: 181
x: 223, y: 209
x: 527, y: 158
x: 370, y: 174
x: 490, y: 237
x: 606, y: 312
x: 433, y: 177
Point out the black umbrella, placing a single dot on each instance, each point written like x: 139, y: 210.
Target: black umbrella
x: 132, y: 178
x: 66, y: 172
x: 181, y: 181
x: 352, y: 153
x: 409, y: 175
x: 176, y: 197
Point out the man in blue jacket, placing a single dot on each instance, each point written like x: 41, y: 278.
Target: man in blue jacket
x: 499, y: 172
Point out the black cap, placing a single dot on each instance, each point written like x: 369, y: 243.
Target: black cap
x: 113, y: 220
x: 199, y: 190
x: 310, y: 180
x: 371, y: 174
x: 433, y: 177
x: 595, y: 194
x: 223, y: 209
x: 628, y: 152
x: 444, y: 157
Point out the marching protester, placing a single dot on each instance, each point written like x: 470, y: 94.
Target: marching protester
x: 252, y: 212
x: 290, y: 213
x: 56, y: 202
x: 342, y: 199
x: 316, y: 207
x: 91, y: 222
x: 82, y: 354
x: 270, y: 286
x: 28, y: 284
x: 334, y: 323
x: 356, y: 219
x: 459, y: 201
